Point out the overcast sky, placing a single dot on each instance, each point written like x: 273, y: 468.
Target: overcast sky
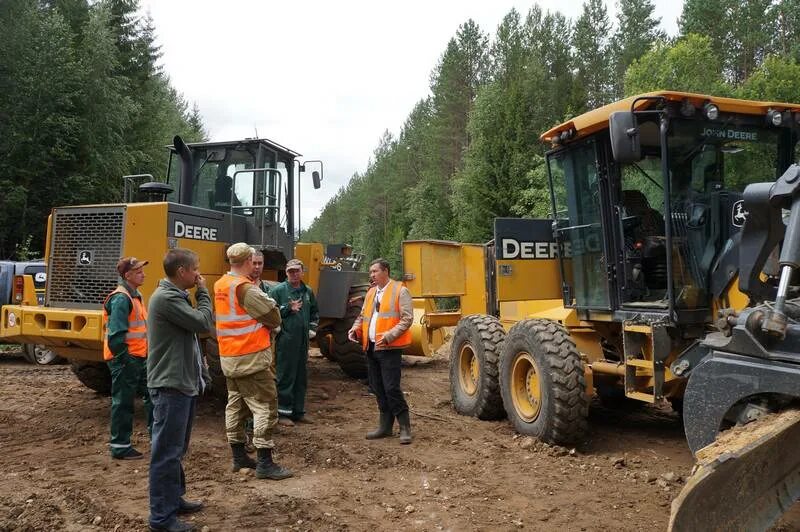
x: 322, y: 77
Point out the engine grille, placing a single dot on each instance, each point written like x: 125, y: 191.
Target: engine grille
x: 85, y: 245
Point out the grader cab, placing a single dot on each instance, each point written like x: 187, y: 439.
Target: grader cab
x: 666, y: 273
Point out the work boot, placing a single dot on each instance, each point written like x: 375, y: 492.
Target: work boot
x: 240, y: 458
x: 266, y: 468
x: 285, y: 421
x: 189, y: 507
x: 304, y: 419
x: 129, y: 454
x: 405, y: 427
x: 384, y: 429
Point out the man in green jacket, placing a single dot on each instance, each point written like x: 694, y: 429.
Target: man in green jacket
x: 176, y: 376
x: 299, y: 313
x: 125, y: 351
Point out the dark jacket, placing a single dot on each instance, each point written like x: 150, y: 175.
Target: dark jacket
x: 173, y: 324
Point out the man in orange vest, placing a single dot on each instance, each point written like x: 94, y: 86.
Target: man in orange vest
x: 384, y: 329
x: 125, y: 351
x: 244, y: 317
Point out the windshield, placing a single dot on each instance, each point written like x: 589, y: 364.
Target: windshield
x: 710, y: 165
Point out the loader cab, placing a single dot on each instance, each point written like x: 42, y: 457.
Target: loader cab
x: 223, y: 179
x: 255, y: 178
x: 647, y: 203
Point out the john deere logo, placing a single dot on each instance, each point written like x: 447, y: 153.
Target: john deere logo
x: 85, y: 258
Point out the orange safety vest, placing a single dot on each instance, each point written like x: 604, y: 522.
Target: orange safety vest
x: 237, y: 332
x: 136, y: 337
x: 388, y: 316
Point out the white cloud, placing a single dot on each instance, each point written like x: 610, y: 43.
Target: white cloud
x: 324, y: 78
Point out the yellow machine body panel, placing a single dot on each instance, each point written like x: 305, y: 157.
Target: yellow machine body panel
x: 514, y: 280
x: 312, y: 256
x: 76, y: 332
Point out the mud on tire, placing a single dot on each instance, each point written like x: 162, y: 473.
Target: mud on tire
x: 93, y: 375
x: 540, y: 355
x: 474, y: 356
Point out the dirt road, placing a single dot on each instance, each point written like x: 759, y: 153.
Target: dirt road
x: 459, y: 474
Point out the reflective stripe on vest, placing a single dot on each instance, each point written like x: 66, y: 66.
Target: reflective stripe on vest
x: 136, y: 337
x: 237, y: 332
x: 387, y: 318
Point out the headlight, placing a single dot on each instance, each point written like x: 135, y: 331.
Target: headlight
x: 711, y: 111
x: 12, y: 319
x: 774, y: 117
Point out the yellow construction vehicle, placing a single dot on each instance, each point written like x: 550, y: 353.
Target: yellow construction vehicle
x: 216, y: 193
x: 665, y: 273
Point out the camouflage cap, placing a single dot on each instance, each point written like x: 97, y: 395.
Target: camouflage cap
x: 239, y: 253
x: 127, y: 264
x: 295, y: 264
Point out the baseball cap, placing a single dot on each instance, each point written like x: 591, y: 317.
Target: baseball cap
x: 127, y: 264
x: 239, y: 252
x: 294, y: 264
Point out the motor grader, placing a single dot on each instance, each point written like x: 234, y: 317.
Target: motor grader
x: 666, y: 273
x: 215, y: 193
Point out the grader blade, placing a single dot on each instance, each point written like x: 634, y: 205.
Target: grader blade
x: 745, y: 480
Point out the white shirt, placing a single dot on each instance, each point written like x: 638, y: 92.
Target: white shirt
x: 374, y: 319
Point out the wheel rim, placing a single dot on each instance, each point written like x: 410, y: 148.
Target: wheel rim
x: 42, y: 355
x: 469, y: 370
x: 526, y: 391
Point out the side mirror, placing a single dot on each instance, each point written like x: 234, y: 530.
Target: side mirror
x: 316, y: 178
x: 624, y: 131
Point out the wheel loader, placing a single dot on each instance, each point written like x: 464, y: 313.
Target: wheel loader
x: 215, y: 193
x: 666, y: 273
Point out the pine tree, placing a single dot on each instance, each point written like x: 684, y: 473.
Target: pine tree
x: 592, y: 54
x: 637, y: 31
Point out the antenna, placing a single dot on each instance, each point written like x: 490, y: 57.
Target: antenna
x: 256, y: 128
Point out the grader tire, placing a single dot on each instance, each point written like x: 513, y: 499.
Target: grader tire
x: 348, y: 354
x: 94, y: 375
x: 542, y: 382
x: 352, y: 360
x: 474, y: 355
x: 219, y: 387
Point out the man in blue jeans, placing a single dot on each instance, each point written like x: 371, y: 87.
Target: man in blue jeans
x: 176, y: 376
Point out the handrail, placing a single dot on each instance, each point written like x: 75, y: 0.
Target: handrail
x: 127, y: 194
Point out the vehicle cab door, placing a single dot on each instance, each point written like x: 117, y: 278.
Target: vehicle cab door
x: 577, y: 191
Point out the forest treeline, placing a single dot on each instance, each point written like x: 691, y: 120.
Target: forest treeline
x: 469, y: 151
x: 82, y: 103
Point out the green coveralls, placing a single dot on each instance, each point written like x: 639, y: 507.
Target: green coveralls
x: 292, y: 347
x: 128, y: 374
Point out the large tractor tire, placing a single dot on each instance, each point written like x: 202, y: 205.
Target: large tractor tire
x: 334, y: 344
x: 211, y: 351
x: 474, y: 356
x: 542, y: 382
x: 93, y: 375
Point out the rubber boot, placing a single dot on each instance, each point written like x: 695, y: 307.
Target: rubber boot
x: 266, y: 468
x: 384, y: 429
x: 405, y: 427
x: 240, y: 458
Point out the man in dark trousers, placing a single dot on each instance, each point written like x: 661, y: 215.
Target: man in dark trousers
x: 125, y: 351
x: 300, y: 315
x: 176, y: 376
x: 384, y: 329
